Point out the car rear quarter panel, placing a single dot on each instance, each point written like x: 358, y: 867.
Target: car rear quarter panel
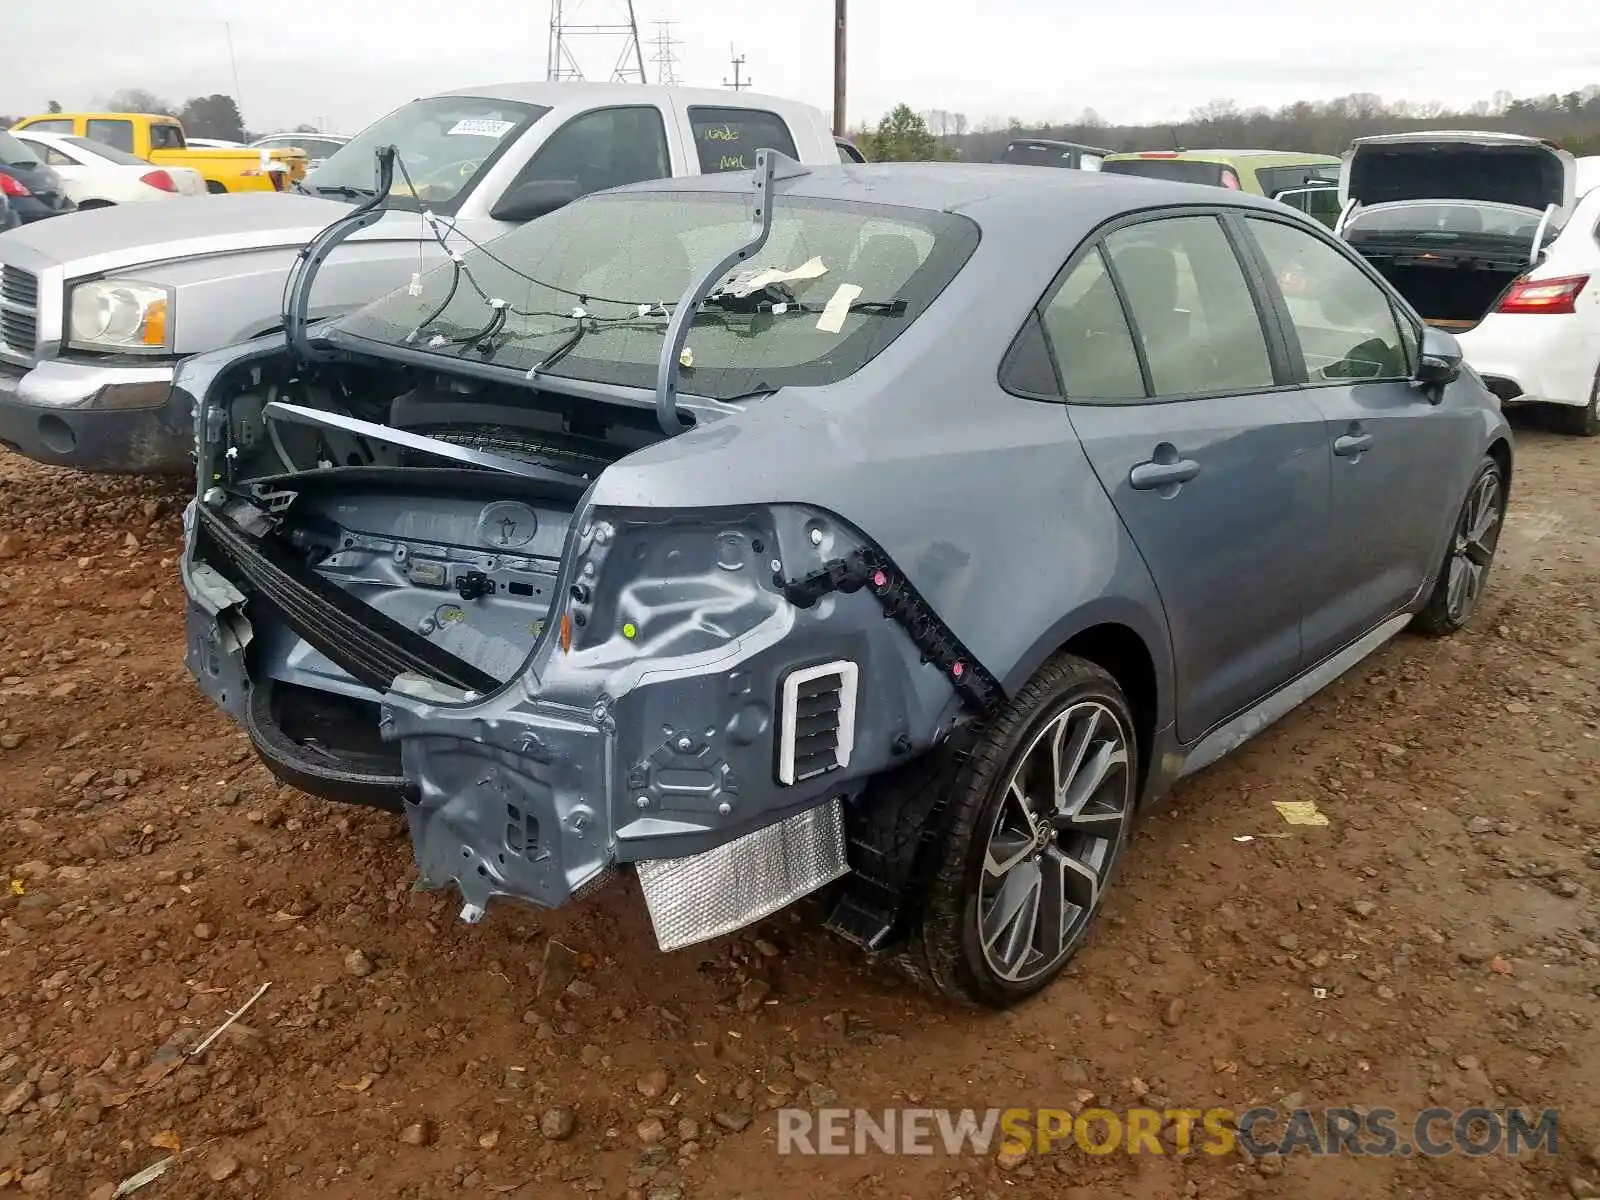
x: 983, y: 499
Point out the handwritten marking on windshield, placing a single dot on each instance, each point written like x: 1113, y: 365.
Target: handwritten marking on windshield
x: 725, y: 133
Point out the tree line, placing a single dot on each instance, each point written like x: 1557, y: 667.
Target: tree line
x: 1571, y: 119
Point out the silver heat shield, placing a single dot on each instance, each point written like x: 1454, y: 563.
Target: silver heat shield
x: 704, y: 895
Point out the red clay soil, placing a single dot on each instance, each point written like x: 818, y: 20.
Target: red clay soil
x: 1436, y: 942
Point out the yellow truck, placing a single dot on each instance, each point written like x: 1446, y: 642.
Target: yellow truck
x: 159, y: 139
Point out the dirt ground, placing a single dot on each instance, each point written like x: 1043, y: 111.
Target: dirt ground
x: 1437, y: 942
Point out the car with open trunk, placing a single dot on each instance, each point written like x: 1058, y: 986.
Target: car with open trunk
x: 1489, y: 236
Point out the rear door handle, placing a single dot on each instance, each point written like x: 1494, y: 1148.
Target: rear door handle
x: 1352, y: 443
x: 1149, y: 475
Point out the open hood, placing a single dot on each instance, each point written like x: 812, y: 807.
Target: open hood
x: 1495, y: 168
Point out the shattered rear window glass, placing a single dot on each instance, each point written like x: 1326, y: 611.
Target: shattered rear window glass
x: 625, y: 259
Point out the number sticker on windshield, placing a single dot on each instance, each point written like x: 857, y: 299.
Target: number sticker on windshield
x: 480, y: 127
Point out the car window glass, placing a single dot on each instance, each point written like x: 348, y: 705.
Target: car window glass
x: 602, y: 149
x: 165, y: 137
x: 1343, y: 320
x: 1191, y: 307
x: 1088, y: 331
x: 17, y: 153
x: 112, y: 133
x: 726, y: 139
x: 51, y: 126
x: 53, y: 157
x: 625, y: 249
x: 108, y: 153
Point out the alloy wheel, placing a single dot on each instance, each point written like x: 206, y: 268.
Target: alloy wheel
x: 1477, y: 534
x: 1055, y: 837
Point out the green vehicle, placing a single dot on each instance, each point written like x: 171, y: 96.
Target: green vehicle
x: 1308, y: 182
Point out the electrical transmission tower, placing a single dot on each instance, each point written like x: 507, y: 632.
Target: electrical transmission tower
x: 564, y: 32
x: 665, y: 60
x: 737, y: 60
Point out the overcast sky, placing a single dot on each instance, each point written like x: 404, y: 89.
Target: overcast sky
x: 319, y: 61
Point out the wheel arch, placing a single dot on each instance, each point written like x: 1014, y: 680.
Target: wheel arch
x: 1500, y: 451
x: 1130, y: 642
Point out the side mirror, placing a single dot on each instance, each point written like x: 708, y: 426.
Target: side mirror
x: 530, y: 201
x: 1440, y: 361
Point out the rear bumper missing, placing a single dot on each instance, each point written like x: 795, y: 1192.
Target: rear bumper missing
x: 539, y: 789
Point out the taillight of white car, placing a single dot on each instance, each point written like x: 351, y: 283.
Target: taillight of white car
x: 1543, y: 295
x: 159, y: 180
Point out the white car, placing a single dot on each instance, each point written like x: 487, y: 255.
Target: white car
x: 98, y: 176
x: 319, y: 147
x: 195, y: 143
x: 1495, y: 237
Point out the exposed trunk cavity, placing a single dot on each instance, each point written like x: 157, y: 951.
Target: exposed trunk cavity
x: 1452, y: 287
x: 363, y: 559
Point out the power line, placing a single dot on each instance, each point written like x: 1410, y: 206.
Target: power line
x: 737, y: 60
x: 561, y: 61
x: 665, y: 60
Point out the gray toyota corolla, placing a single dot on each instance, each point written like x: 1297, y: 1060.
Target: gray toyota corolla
x: 899, y: 530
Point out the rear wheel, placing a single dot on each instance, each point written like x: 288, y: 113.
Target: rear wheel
x: 1038, y: 814
x: 215, y: 188
x: 1469, y: 556
x: 92, y: 204
x: 1579, y: 422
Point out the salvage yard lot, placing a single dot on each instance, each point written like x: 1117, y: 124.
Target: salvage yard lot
x: 1449, y: 910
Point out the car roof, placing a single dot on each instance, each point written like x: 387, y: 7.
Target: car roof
x: 552, y: 92
x: 990, y: 193
x: 1254, y: 156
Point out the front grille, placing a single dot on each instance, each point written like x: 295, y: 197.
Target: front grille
x: 817, y: 715
x: 19, y: 287
x: 19, y: 302
x: 19, y: 330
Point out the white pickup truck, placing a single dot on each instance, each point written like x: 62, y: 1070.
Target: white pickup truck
x: 97, y: 309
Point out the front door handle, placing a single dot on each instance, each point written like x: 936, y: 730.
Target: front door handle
x: 1147, y: 476
x: 1350, y: 444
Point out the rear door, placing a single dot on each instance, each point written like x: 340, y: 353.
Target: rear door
x: 1389, y: 450
x: 1214, y: 463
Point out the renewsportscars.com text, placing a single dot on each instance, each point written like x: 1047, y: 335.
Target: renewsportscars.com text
x: 1432, y: 1132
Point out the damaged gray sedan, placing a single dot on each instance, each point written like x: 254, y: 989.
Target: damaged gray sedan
x: 898, y: 530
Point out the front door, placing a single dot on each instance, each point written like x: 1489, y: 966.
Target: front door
x: 1216, y: 468
x: 1389, y: 449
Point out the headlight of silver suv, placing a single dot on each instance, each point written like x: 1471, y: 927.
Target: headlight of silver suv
x: 120, y: 316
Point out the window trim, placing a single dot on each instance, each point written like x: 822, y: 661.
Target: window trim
x: 1277, y: 353
x: 694, y: 142
x: 1405, y: 319
x: 517, y: 180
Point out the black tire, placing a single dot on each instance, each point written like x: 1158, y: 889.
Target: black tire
x: 215, y: 188
x: 945, y: 950
x: 91, y: 205
x: 1446, y: 612
x: 1578, y: 422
